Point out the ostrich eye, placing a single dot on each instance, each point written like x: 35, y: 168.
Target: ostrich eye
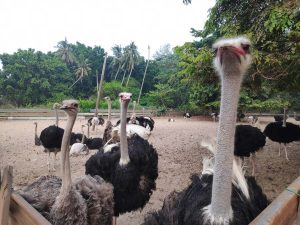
x: 246, y: 47
x: 76, y: 105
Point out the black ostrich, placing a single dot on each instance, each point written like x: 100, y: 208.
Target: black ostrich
x: 221, y: 195
x: 130, y: 167
x: 283, y: 132
x: 96, y: 120
x: 144, y: 121
x: 88, y: 201
x: 187, y: 115
x: 247, y: 141
x: 51, y: 138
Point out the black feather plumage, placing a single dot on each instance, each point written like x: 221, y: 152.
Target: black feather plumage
x: 134, y: 182
x: 51, y: 137
x: 142, y: 121
x: 248, y: 139
x: 276, y: 132
x: 184, y: 208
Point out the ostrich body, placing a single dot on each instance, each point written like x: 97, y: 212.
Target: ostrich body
x: 144, y: 121
x: 221, y: 195
x: 78, y: 148
x: 187, y: 115
x: 247, y: 141
x: 130, y: 167
x: 277, y: 132
x: 88, y: 201
x: 96, y: 121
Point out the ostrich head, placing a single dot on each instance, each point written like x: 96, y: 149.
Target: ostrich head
x: 125, y: 97
x: 71, y: 107
x: 56, y: 105
x: 107, y: 98
x: 232, y: 56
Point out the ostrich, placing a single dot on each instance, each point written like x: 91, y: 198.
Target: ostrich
x: 247, y: 141
x: 215, y: 197
x: 96, y: 121
x: 51, y: 138
x: 78, y: 148
x: 93, y: 143
x: 130, y: 167
x: 144, y: 121
x: 171, y: 120
x: 37, y: 140
x: 187, y: 115
x: 133, y: 115
x: 56, y: 106
x: 215, y: 116
x: 283, y: 132
x: 88, y: 201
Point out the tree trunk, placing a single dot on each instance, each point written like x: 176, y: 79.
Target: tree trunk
x: 100, y: 85
x: 118, y: 71
x: 123, y: 77
x: 138, y: 101
x: 129, y: 74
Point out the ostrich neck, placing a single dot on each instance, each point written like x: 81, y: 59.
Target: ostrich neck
x: 109, y: 110
x: 123, y: 137
x: 83, y: 137
x: 35, y: 130
x: 222, y: 184
x: 65, y: 160
x: 284, y: 118
x: 56, y: 116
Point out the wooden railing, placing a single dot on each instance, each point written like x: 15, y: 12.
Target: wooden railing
x: 26, y: 113
x: 284, y: 210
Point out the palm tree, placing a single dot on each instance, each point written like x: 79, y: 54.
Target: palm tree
x: 82, y: 70
x: 117, y: 60
x: 65, y: 52
x: 133, y: 56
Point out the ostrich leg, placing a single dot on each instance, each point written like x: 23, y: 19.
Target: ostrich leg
x: 279, y: 153
x: 285, y: 150
x: 48, y: 161
x: 252, y: 160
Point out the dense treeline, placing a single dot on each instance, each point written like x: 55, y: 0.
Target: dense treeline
x: 183, y: 78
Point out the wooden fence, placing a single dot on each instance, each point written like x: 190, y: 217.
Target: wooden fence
x: 46, y: 113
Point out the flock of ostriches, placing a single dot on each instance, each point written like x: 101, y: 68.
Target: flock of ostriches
x: 121, y: 175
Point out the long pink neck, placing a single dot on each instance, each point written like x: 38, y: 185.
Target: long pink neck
x: 65, y: 160
x: 222, y: 179
x: 123, y: 137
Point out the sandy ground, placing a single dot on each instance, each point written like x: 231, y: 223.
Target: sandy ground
x: 178, y: 146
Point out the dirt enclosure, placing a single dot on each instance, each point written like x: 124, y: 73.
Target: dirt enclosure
x: 178, y: 146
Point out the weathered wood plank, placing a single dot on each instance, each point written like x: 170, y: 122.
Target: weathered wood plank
x: 283, y: 210
x: 5, y: 193
x: 22, y: 213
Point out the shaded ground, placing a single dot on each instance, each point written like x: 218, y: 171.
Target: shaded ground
x: 178, y: 146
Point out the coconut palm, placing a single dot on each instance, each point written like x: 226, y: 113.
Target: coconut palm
x: 65, y: 52
x: 82, y: 70
x: 117, y: 60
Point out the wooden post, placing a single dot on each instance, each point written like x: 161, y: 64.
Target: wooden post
x: 5, y: 193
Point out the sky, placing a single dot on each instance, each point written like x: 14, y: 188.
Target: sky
x: 41, y: 24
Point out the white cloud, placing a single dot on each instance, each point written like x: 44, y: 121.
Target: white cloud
x: 42, y: 24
